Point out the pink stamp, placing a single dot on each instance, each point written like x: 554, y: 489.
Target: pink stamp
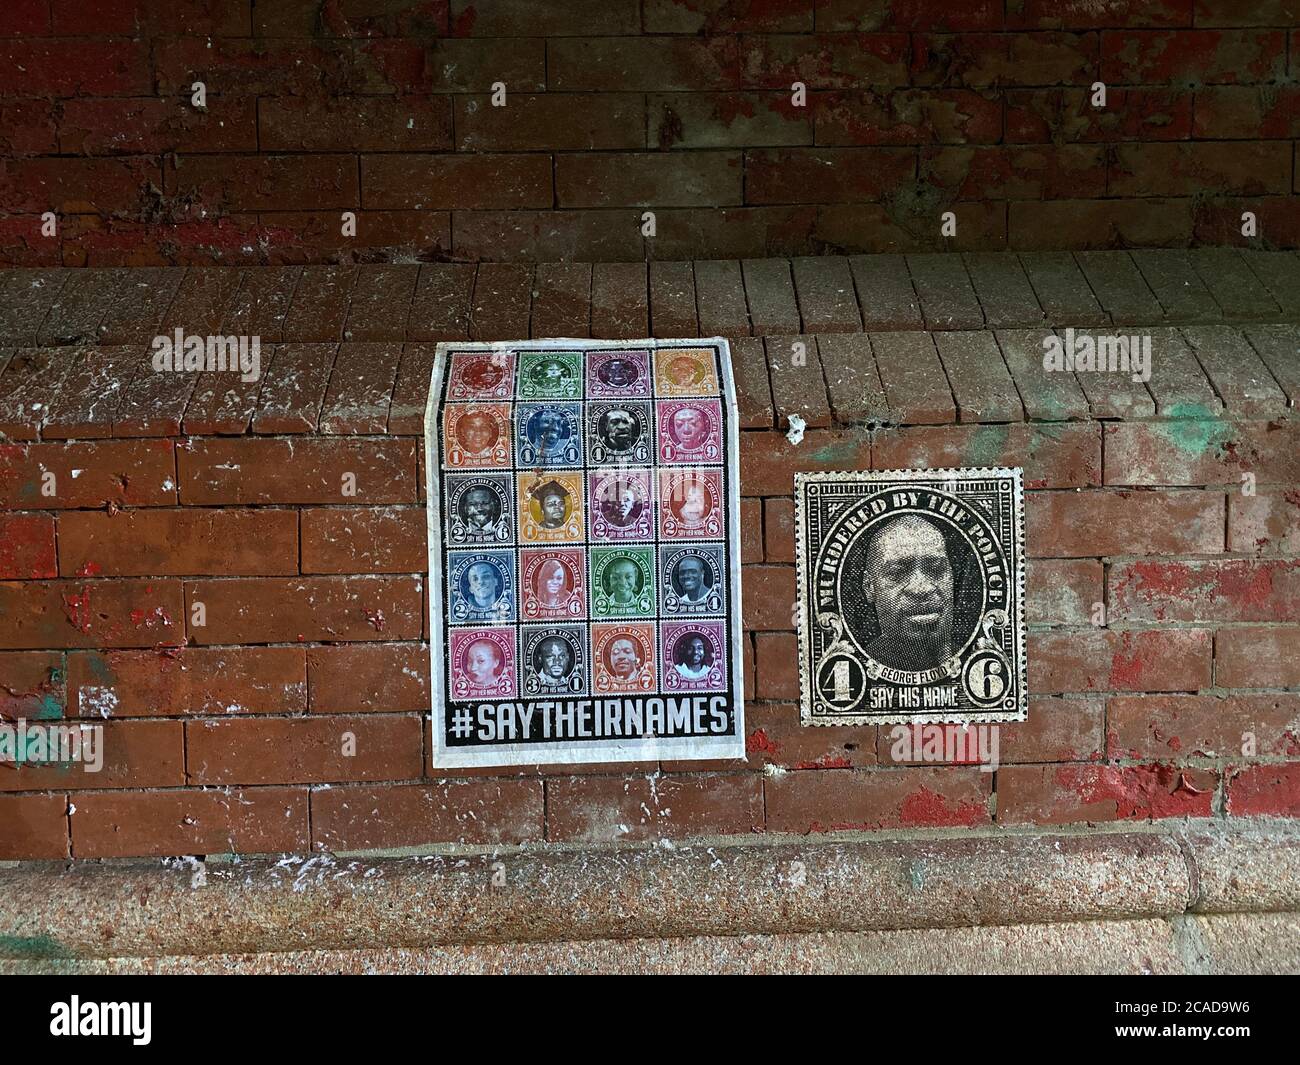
x: 554, y: 582
x: 690, y: 430
x: 481, y: 375
x: 483, y: 663
x: 690, y: 504
x: 693, y: 655
x: 622, y: 504
x: 618, y: 374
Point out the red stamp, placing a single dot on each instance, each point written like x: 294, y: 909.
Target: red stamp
x: 690, y: 430
x: 622, y: 505
x: 693, y: 655
x: 483, y: 663
x: 476, y: 436
x: 623, y: 656
x: 554, y: 582
x: 481, y: 375
x: 690, y: 504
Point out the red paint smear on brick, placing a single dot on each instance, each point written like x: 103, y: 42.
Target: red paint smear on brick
x: 1127, y: 666
x: 464, y: 24
x: 826, y: 761
x: 925, y: 807
x: 77, y: 608
x: 89, y: 569
x: 1246, y: 584
x: 759, y: 743
x: 1264, y: 790
x: 1137, y: 792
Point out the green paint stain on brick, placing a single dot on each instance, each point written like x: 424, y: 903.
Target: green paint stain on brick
x: 32, y: 947
x: 1195, y: 429
x: 988, y: 445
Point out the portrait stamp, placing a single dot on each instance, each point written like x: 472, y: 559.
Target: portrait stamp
x: 548, y: 434
x: 694, y: 655
x: 553, y: 583
x: 623, y: 657
x: 622, y: 504
x: 689, y: 430
x: 477, y: 436
x: 554, y: 660
x: 685, y: 372
x: 620, y: 432
x: 691, y: 579
x: 623, y: 374
x: 551, y: 509
x: 481, y: 586
x: 480, y: 508
x: 483, y: 664
x: 550, y: 375
x: 690, y: 504
x: 622, y: 582
x: 911, y: 596
x: 481, y: 375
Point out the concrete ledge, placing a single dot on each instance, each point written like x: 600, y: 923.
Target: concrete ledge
x: 182, y: 909
x: 1233, y: 943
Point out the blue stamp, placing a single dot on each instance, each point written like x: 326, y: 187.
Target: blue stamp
x: 481, y: 586
x: 548, y: 435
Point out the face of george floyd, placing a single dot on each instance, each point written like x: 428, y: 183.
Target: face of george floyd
x: 483, y: 662
x: 908, y: 578
x: 624, y: 658
x: 690, y: 428
x: 620, y: 429
x: 476, y: 433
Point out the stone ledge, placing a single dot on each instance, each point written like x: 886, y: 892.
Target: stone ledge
x: 101, y: 911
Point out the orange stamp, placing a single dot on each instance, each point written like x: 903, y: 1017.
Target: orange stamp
x: 623, y: 656
x: 685, y: 372
x: 476, y: 436
x: 551, y: 507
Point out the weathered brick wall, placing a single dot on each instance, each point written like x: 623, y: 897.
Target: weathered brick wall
x: 178, y: 489
x: 382, y: 108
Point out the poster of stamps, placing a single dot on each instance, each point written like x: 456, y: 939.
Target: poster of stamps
x: 584, y: 547
x: 911, y: 596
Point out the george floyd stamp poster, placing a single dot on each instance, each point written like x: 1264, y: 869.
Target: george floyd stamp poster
x: 911, y: 596
x: 584, y: 552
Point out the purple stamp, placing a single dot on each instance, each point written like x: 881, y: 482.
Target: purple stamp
x: 693, y: 655
x: 689, y: 430
x: 622, y: 505
x: 618, y: 374
x: 483, y: 664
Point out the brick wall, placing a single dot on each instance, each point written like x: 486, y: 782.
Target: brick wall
x: 684, y: 107
x: 172, y: 490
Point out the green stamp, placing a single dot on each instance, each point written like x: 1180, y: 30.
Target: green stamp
x: 550, y: 375
x: 622, y: 582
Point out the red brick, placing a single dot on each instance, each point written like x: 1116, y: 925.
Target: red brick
x: 76, y: 186
x: 1058, y: 794
x: 74, y: 68
x: 1082, y: 14
x: 246, y: 67
x: 1140, y: 222
x: 908, y: 14
x: 1228, y: 590
x: 1265, y: 791
x: 776, y: 661
x: 824, y: 60
x: 907, y: 116
x: 366, y: 20
x: 380, y: 677
x: 1102, y: 660
x: 1055, y: 730
x: 34, y: 685
x: 22, y: 18
x: 778, y: 530
x: 132, y: 126
x: 727, y: 120
x: 136, y: 473
x: 463, y: 182
x: 1016, y: 173
x: 1257, y: 656
x: 768, y: 460
x: 611, y: 809
x: 229, y: 183
x: 550, y: 121
x: 122, y: 613
x: 33, y: 827
x: 1097, y: 524
x: 29, y: 128
x: 288, y: 610
x: 1062, y: 591
x: 727, y: 16
x: 360, y: 389
x: 1177, y: 727
x: 1265, y: 524
x: 187, y: 681
x: 751, y: 530
x: 419, y: 66
x: 987, y: 59
x: 1191, y: 57
x: 642, y: 64
x: 27, y: 547
x: 768, y: 598
x: 1234, y: 112
x: 776, y: 737
x: 411, y: 391
x: 133, y: 754
x: 364, y: 540
x: 172, y: 823
x: 303, y: 750
x: 597, y: 236
x: 1195, y: 452
x: 355, y: 124
x: 1238, y: 168
x: 306, y: 471
x: 654, y: 179
x: 174, y: 543
x: 833, y: 800
x: 459, y: 811
x: 1053, y: 456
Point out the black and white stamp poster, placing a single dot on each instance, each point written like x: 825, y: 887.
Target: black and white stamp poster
x: 584, y: 552
x: 911, y: 596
